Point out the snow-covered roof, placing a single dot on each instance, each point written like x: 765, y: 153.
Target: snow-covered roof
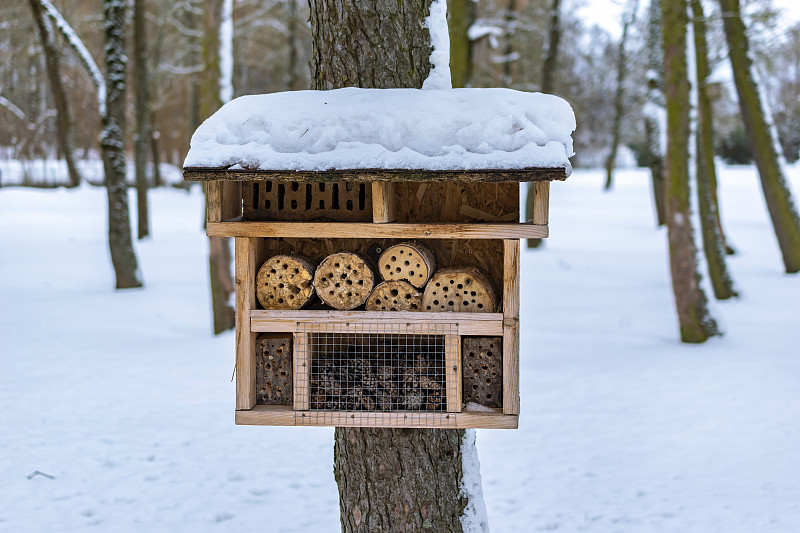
x: 404, y: 129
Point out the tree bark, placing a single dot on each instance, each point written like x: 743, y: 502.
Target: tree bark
x: 389, y: 479
x: 219, y: 257
x: 63, y: 118
x: 654, y: 109
x: 619, y: 95
x: 696, y: 325
x: 142, y: 117
x: 713, y: 243
x: 778, y: 197
x: 460, y: 16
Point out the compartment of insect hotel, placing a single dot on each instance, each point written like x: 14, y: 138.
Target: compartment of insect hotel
x: 373, y: 295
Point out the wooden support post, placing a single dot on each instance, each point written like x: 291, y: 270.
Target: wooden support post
x: 511, y: 326
x: 452, y: 364
x: 383, y: 202
x: 214, y: 201
x: 541, y: 201
x: 248, y: 252
x: 301, y: 372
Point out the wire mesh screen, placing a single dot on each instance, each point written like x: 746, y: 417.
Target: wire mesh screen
x: 376, y: 371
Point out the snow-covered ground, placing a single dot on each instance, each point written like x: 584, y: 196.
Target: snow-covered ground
x: 125, y: 398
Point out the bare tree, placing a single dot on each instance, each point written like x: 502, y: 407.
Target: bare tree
x: 63, y: 115
x: 781, y: 208
x: 696, y: 324
x: 628, y: 19
x: 713, y: 241
x: 142, y: 108
x: 460, y: 16
x: 389, y: 479
x: 653, y: 111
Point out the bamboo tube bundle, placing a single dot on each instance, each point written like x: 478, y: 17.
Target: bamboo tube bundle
x: 408, y: 261
x: 394, y: 295
x: 285, y: 282
x: 344, y: 280
x: 462, y: 289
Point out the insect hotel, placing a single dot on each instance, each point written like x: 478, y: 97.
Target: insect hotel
x: 377, y: 249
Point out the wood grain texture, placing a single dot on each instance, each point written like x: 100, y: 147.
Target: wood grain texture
x: 247, y: 253
x: 367, y: 175
x: 214, y: 202
x: 289, y: 321
x: 460, y: 290
x: 231, y: 204
x: 409, y: 261
x: 285, y: 282
x: 280, y: 415
x: 458, y: 202
x: 452, y: 366
x: 301, y: 372
x: 541, y: 202
x: 377, y: 231
x: 511, y: 327
x: 344, y: 280
x: 394, y: 295
x: 383, y: 202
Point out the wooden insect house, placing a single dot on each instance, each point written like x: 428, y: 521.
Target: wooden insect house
x: 377, y: 249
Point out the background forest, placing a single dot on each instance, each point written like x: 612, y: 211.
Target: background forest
x: 496, y: 43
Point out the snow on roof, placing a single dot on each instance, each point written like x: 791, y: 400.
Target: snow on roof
x: 408, y: 129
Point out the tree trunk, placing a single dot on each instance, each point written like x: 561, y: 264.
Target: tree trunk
x: 112, y: 143
x: 219, y: 257
x: 654, y: 109
x: 655, y: 160
x: 142, y: 117
x: 389, y: 479
x: 63, y: 119
x: 548, y: 79
x: 460, y: 16
x: 293, y: 78
x: 776, y: 191
x: 629, y: 17
x: 696, y: 325
x: 713, y: 243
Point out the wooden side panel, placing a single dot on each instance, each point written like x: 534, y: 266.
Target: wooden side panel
x: 383, y: 202
x: 457, y: 202
x: 452, y: 365
x: 511, y: 327
x: 214, y: 201
x: 301, y: 371
x: 231, y: 200
x: 248, y: 253
x: 541, y: 202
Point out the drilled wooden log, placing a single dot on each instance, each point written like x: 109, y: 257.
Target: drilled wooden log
x: 465, y: 290
x: 274, y: 369
x: 396, y: 295
x: 482, y: 370
x: 344, y: 280
x: 285, y: 282
x: 410, y: 261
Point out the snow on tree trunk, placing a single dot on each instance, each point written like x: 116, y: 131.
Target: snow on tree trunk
x: 112, y: 143
x: 713, y: 242
x: 142, y: 118
x: 390, y: 479
x: 696, y: 325
x: 778, y: 197
x: 655, y: 122
x: 53, y: 65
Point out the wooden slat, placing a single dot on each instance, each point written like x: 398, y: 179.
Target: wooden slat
x: 288, y: 321
x: 279, y: 415
x: 359, y: 230
x: 214, y: 203
x: 247, y: 256
x: 511, y: 327
x: 383, y: 202
x: 541, y: 201
x: 301, y: 370
x: 452, y: 365
x: 489, y: 175
x: 231, y: 200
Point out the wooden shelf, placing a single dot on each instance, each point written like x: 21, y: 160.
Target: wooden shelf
x: 468, y: 323
x: 362, y: 230
x: 281, y: 415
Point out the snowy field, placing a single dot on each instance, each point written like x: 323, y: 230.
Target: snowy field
x: 125, y: 401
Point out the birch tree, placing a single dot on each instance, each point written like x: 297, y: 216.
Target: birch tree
x: 696, y: 324
x: 778, y: 197
x: 389, y: 479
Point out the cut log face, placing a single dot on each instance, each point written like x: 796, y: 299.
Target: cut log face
x: 274, y: 369
x: 395, y: 295
x: 285, y: 282
x: 463, y: 290
x: 407, y: 261
x: 344, y: 280
x: 482, y: 370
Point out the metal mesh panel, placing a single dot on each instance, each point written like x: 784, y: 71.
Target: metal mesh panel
x: 375, y: 372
